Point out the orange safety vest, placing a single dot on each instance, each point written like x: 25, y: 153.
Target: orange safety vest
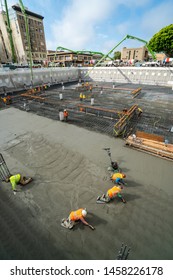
x: 76, y: 215
x: 113, y: 192
x: 66, y: 114
x: 117, y: 175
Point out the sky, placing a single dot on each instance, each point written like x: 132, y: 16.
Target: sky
x: 99, y: 25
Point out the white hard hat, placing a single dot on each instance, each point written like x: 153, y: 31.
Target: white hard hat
x: 65, y: 110
x: 84, y: 212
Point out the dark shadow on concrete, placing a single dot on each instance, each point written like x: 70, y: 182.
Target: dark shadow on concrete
x: 132, y: 184
x: 131, y: 197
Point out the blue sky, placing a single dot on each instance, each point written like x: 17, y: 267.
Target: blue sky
x: 99, y: 25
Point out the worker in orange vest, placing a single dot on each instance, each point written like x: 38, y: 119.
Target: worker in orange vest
x: 111, y: 194
x: 117, y: 178
x: 66, y: 114
x: 74, y: 217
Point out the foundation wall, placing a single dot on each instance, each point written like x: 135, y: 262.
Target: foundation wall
x: 19, y: 79
x: 161, y: 76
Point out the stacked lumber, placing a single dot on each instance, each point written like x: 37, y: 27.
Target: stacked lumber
x: 152, y: 146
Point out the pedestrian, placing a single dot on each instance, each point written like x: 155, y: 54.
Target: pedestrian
x: 75, y: 217
x: 66, y: 114
x: 18, y: 179
x: 111, y: 194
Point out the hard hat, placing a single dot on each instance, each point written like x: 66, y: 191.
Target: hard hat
x: 84, y: 212
x: 65, y: 110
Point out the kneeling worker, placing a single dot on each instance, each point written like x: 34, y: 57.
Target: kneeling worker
x: 74, y: 217
x: 18, y: 179
x: 117, y: 178
x: 111, y: 194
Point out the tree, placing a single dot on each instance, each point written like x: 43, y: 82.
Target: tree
x: 117, y: 55
x: 163, y: 41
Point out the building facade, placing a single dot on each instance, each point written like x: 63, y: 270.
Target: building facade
x: 138, y: 54
x: 21, y: 46
x: 67, y: 58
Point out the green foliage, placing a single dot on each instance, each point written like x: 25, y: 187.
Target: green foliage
x: 117, y: 55
x: 163, y: 41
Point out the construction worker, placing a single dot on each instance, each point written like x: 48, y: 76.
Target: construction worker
x: 7, y: 100
x: 84, y: 97
x: 75, y: 217
x: 66, y: 114
x: 18, y: 179
x: 81, y: 96
x: 4, y: 99
x: 117, y: 178
x: 111, y: 194
x: 139, y: 112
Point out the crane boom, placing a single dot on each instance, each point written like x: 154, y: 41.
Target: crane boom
x: 64, y: 49
x: 126, y: 37
x: 9, y: 30
x: 78, y: 52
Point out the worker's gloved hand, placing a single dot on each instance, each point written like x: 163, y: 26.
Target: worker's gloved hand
x: 91, y: 227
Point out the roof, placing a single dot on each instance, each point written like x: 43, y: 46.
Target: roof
x: 18, y: 9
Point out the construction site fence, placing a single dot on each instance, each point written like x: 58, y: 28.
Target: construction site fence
x: 19, y: 79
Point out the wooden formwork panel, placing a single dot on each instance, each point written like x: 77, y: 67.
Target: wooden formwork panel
x: 151, y: 146
x: 154, y: 137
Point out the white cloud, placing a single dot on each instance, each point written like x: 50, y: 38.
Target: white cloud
x: 80, y: 19
x: 77, y: 25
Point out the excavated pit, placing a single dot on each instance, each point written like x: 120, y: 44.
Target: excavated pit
x: 156, y: 103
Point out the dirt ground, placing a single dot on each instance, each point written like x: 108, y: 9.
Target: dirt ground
x: 69, y: 167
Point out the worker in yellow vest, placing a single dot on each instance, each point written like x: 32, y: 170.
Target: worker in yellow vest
x: 75, y: 217
x: 139, y: 112
x: 117, y: 178
x: 18, y: 179
x: 81, y: 96
x: 111, y: 194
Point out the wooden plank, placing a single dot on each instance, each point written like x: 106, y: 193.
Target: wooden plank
x: 151, y: 146
x: 142, y: 134
x: 100, y: 109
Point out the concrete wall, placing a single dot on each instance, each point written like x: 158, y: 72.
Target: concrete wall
x: 17, y: 79
x: 136, y: 75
